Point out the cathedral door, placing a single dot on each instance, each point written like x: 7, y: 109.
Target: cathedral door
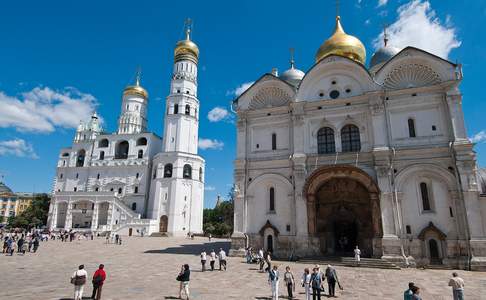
x: 163, y: 224
x: 343, y: 210
x: 434, y: 252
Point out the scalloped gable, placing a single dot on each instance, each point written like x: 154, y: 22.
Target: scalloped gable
x: 330, y: 66
x: 268, y: 91
x: 413, y: 67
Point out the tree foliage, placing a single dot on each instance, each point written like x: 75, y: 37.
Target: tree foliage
x: 218, y: 221
x: 34, y: 216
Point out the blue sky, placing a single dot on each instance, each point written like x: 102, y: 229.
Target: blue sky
x: 60, y: 59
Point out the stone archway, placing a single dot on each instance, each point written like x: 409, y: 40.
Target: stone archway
x: 343, y: 210
x: 163, y: 223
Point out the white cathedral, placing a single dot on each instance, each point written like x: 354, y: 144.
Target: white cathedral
x: 347, y: 155
x: 133, y: 180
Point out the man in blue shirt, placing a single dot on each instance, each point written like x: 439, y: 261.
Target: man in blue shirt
x: 408, y: 294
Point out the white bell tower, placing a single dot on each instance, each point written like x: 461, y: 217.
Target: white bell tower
x: 133, y: 117
x: 182, y: 122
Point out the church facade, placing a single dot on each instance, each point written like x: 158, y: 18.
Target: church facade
x: 133, y: 180
x: 346, y: 155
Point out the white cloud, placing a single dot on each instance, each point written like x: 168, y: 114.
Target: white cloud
x: 240, y: 89
x: 382, y: 2
x: 418, y: 26
x: 209, y: 188
x: 209, y: 144
x: 43, y: 109
x: 479, y: 137
x: 218, y: 114
x: 17, y: 147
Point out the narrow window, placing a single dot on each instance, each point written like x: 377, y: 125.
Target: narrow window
x: 325, y: 141
x: 155, y: 174
x: 77, y: 175
x: 80, y: 158
x: 176, y: 109
x: 122, y: 150
x: 168, y: 171
x: 188, y: 109
x: 424, y: 191
x: 120, y: 190
x: 450, y: 212
x: 136, y: 176
x: 136, y: 190
x: 60, y: 176
x: 140, y: 153
x: 98, y: 176
x: 97, y: 189
x: 102, y: 155
x: 75, y: 189
x: 187, y: 172
x: 134, y: 206
x: 272, y: 199
x: 64, y: 163
x: 274, y: 141
x: 409, y: 229
x: 350, y: 138
x: 411, y: 128
x: 142, y: 141
x: 200, y: 174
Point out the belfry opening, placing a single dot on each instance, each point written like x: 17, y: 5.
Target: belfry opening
x: 343, y: 211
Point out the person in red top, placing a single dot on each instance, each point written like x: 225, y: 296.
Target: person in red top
x: 98, y: 279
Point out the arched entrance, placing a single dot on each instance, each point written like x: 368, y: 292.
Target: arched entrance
x: 163, y: 223
x: 343, y: 211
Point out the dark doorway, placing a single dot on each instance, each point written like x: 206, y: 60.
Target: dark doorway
x: 163, y: 223
x: 270, y: 243
x: 434, y: 252
x: 345, y: 236
x: 129, y: 232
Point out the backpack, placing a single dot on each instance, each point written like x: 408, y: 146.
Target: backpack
x: 98, y: 279
x: 78, y: 280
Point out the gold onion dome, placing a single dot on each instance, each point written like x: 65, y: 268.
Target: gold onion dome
x: 136, y: 89
x: 186, y: 49
x: 342, y: 44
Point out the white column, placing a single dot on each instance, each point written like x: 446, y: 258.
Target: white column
x: 454, y: 101
x: 68, y: 223
x: 94, y: 218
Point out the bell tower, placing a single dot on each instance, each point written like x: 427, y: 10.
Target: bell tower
x: 133, y: 117
x: 181, y: 123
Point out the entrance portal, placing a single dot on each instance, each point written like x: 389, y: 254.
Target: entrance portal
x: 163, y: 223
x: 343, y: 211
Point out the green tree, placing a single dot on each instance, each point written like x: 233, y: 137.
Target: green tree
x: 218, y: 221
x: 34, y: 216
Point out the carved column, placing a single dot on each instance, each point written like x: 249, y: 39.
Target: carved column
x: 311, y: 213
x: 376, y: 215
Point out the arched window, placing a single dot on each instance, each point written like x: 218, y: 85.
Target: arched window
x: 200, y: 174
x: 65, y: 154
x: 142, y: 141
x: 102, y: 155
x: 63, y: 163
x: 272, y: 199
x: 411, y: 128
x: 103, y: 143
x: 121, y: 151
x: 274, y: 141
x: 350, y: 139
x: 424, y: 192
x: 135, y: 190
x: 140, y: 154
x: 325, y: 141
x: 134, y: 206
x: 188, y: 109
x: 98, y: 176
x: 187, y: 172
x: 168, y: 171
x: 176, y: 109
x: 80, y: 159
x: 120, y: 190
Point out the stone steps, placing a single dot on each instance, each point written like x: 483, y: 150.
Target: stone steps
x: 350, y: 262
x: 159, y: 234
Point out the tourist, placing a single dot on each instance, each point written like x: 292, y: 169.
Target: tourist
x: 306, y: 283
x: 316, y: 283
x: 457, y: 284
x: 357, y: 255
x: 107, y: 239
x: 24, y: 248
x: 273, y: 278
x: 222, y: 259
x: 212, y: 259
x: 248, y: 255
x: 31, y: 242
x: 408, y: 294
x: 116, y: 238
x: 5, y: 244
x: 20, y: 243
x: 119, y: 240
x: 11, y: 246
x: 268, y: 260
x: 203, y: 260
x: 289, y: 282
x: 183, y: 278
x: 332, y: 278
x: 416, y: 293
x: 210, y: 236
x: 261, y: 259
x: 99, y: 278
x: 79, y: 280
x: 36, y: 244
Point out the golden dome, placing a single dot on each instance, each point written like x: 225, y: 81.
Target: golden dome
x: 186, y: 49
x: 136, y: 89
x: 342, y: 44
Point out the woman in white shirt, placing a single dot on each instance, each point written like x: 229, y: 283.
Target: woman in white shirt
x: 79, y: 280
x: 306, y: 283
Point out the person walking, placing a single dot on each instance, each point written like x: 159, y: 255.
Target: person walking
x: 306, y: 283
x: 332, y: 278
x: 20, y: 243
x: 289, y: 282
x: 273, y: 278
x: 222, y: 259
x: 210, y: 236
x: 416, y: 293
x: 36, y: 244
x: 203, y: 260
x: 357, y: 255
x: 79, y: 280
x: 316, y: 283
x: 408, y: 294
x: 183, y: 278
x: 212, y: 259
x: 261, y: 259
x: 99, y: 278
x: 268, y: 260
x: 457, y: 284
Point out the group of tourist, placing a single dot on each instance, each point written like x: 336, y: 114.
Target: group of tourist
x: 20, y: 242
x: 221, y: 257
x: 456, y: 283
x: 79, y: 278
x: 113, y: 239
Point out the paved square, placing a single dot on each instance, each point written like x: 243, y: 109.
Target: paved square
x: 146, y: 268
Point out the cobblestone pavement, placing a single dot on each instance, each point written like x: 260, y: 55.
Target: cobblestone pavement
x: 146, y: 268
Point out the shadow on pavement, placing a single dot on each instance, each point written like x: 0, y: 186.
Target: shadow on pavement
x: 193, y: 249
